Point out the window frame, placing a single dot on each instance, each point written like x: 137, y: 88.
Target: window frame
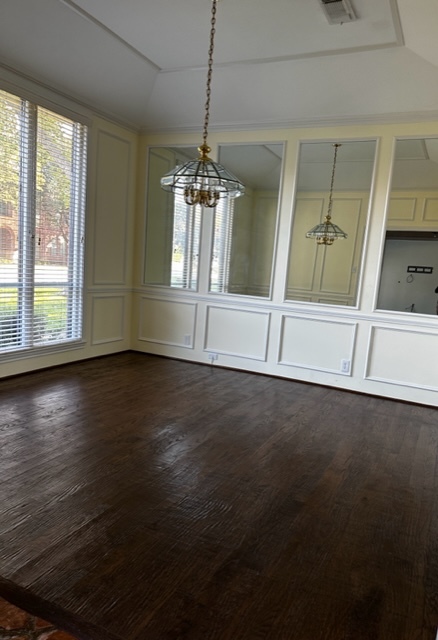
x: 22, y: 336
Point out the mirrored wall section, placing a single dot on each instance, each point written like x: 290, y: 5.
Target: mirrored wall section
x: 409, y: 274
x: 245, y: 227
x: 173, y: 228
x: 329, y: 273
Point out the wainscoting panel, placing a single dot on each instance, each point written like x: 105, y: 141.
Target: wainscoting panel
x: 111, y: 209
x: 317, y: 344
x: 107, y: 319
x: 403, y: 357
x: 167, y: 322
x: 340, y: 263
x: 303, y: 255
x: 237, y: 332
x: 430, y: 210
x: 402, y: 209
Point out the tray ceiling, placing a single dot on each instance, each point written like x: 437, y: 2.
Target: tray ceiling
x: 246, y: 30
x: 142, y: 62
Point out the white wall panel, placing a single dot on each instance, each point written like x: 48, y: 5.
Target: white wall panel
x: 111, y: 209
x: 403, y: 356
x: 167, y: 322
x: 402, y: 209
x: 303, y: 255
x: 107, y: 319
x: 339, y: 268
x: 431, y: 210
x: 316, y: 344
x: 237, y: 332
x: 263, y: 237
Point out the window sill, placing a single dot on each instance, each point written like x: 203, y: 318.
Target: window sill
x: 37, y: 352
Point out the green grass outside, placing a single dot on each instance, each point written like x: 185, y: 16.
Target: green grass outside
x: 50, y: 307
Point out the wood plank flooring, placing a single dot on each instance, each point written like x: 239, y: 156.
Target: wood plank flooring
x: 143, y: 498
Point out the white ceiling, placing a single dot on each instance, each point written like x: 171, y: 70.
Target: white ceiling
x: 142, y: 62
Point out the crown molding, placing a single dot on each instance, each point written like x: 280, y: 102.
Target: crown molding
x: 304, y: 123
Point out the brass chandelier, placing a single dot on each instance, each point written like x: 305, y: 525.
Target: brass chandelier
x: 203, y: 181
x: 326, y: 232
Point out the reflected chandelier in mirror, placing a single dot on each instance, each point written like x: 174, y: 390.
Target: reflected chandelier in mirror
x: 318, y: 272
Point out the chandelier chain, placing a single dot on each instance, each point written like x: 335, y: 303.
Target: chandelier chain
x: 202, y: 181
x: 330, y: 202
x: 210, y: 71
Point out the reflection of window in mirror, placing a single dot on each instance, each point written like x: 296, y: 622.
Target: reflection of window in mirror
x: 409, y: 274
x: 245, y: 228
x: 321, y: 273
x: 172, y: 227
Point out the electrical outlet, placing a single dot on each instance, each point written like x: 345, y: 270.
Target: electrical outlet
x: 212, y: 357
x: 345, y: 366
x: 187, y: 340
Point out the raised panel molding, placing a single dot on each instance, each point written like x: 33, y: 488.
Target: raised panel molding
x: 430, y: 213
x: 237, y: 332
x: 312, y: 343
x: 327, y: 272
x: 338, y: 261
x: 167, y: 322
x: 111, y: 211
x: 402, y: 357
x: 107, y: 319
x: 402, y: 209
x: 303, y: 253
x: 265, y: 210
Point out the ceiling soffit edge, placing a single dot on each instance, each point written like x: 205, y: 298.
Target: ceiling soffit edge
x: 22, y: 81
x: 397, y: 42
x: 87, y: 16
x: 291, y: 58
x: 397, y: 22
x: 34, y: 89
x: 303, y: 123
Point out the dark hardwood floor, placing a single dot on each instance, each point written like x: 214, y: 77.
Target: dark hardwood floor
x: 143, y: 498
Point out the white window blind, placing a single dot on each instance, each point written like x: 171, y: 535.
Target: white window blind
x: 185, y: 243
x: 42, y: 207
x: 223, y: 233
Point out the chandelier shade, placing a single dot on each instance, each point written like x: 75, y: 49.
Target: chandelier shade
x: 203, y: 181
x: 327, y: 232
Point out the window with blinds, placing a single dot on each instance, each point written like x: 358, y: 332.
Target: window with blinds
x: 42, y: 208
x: 223, y: 233
x: 185, y: 244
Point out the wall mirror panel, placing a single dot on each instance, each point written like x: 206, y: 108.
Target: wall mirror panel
x: 173, y: 229
x: 245, y: 228
x: 329, y: 274
x: 409, y: 274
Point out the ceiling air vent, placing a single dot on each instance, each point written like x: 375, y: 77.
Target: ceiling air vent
x: 338, y: 11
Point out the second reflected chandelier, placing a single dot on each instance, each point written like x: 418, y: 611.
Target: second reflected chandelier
x: 202, y: 181
x: 326, y: 232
